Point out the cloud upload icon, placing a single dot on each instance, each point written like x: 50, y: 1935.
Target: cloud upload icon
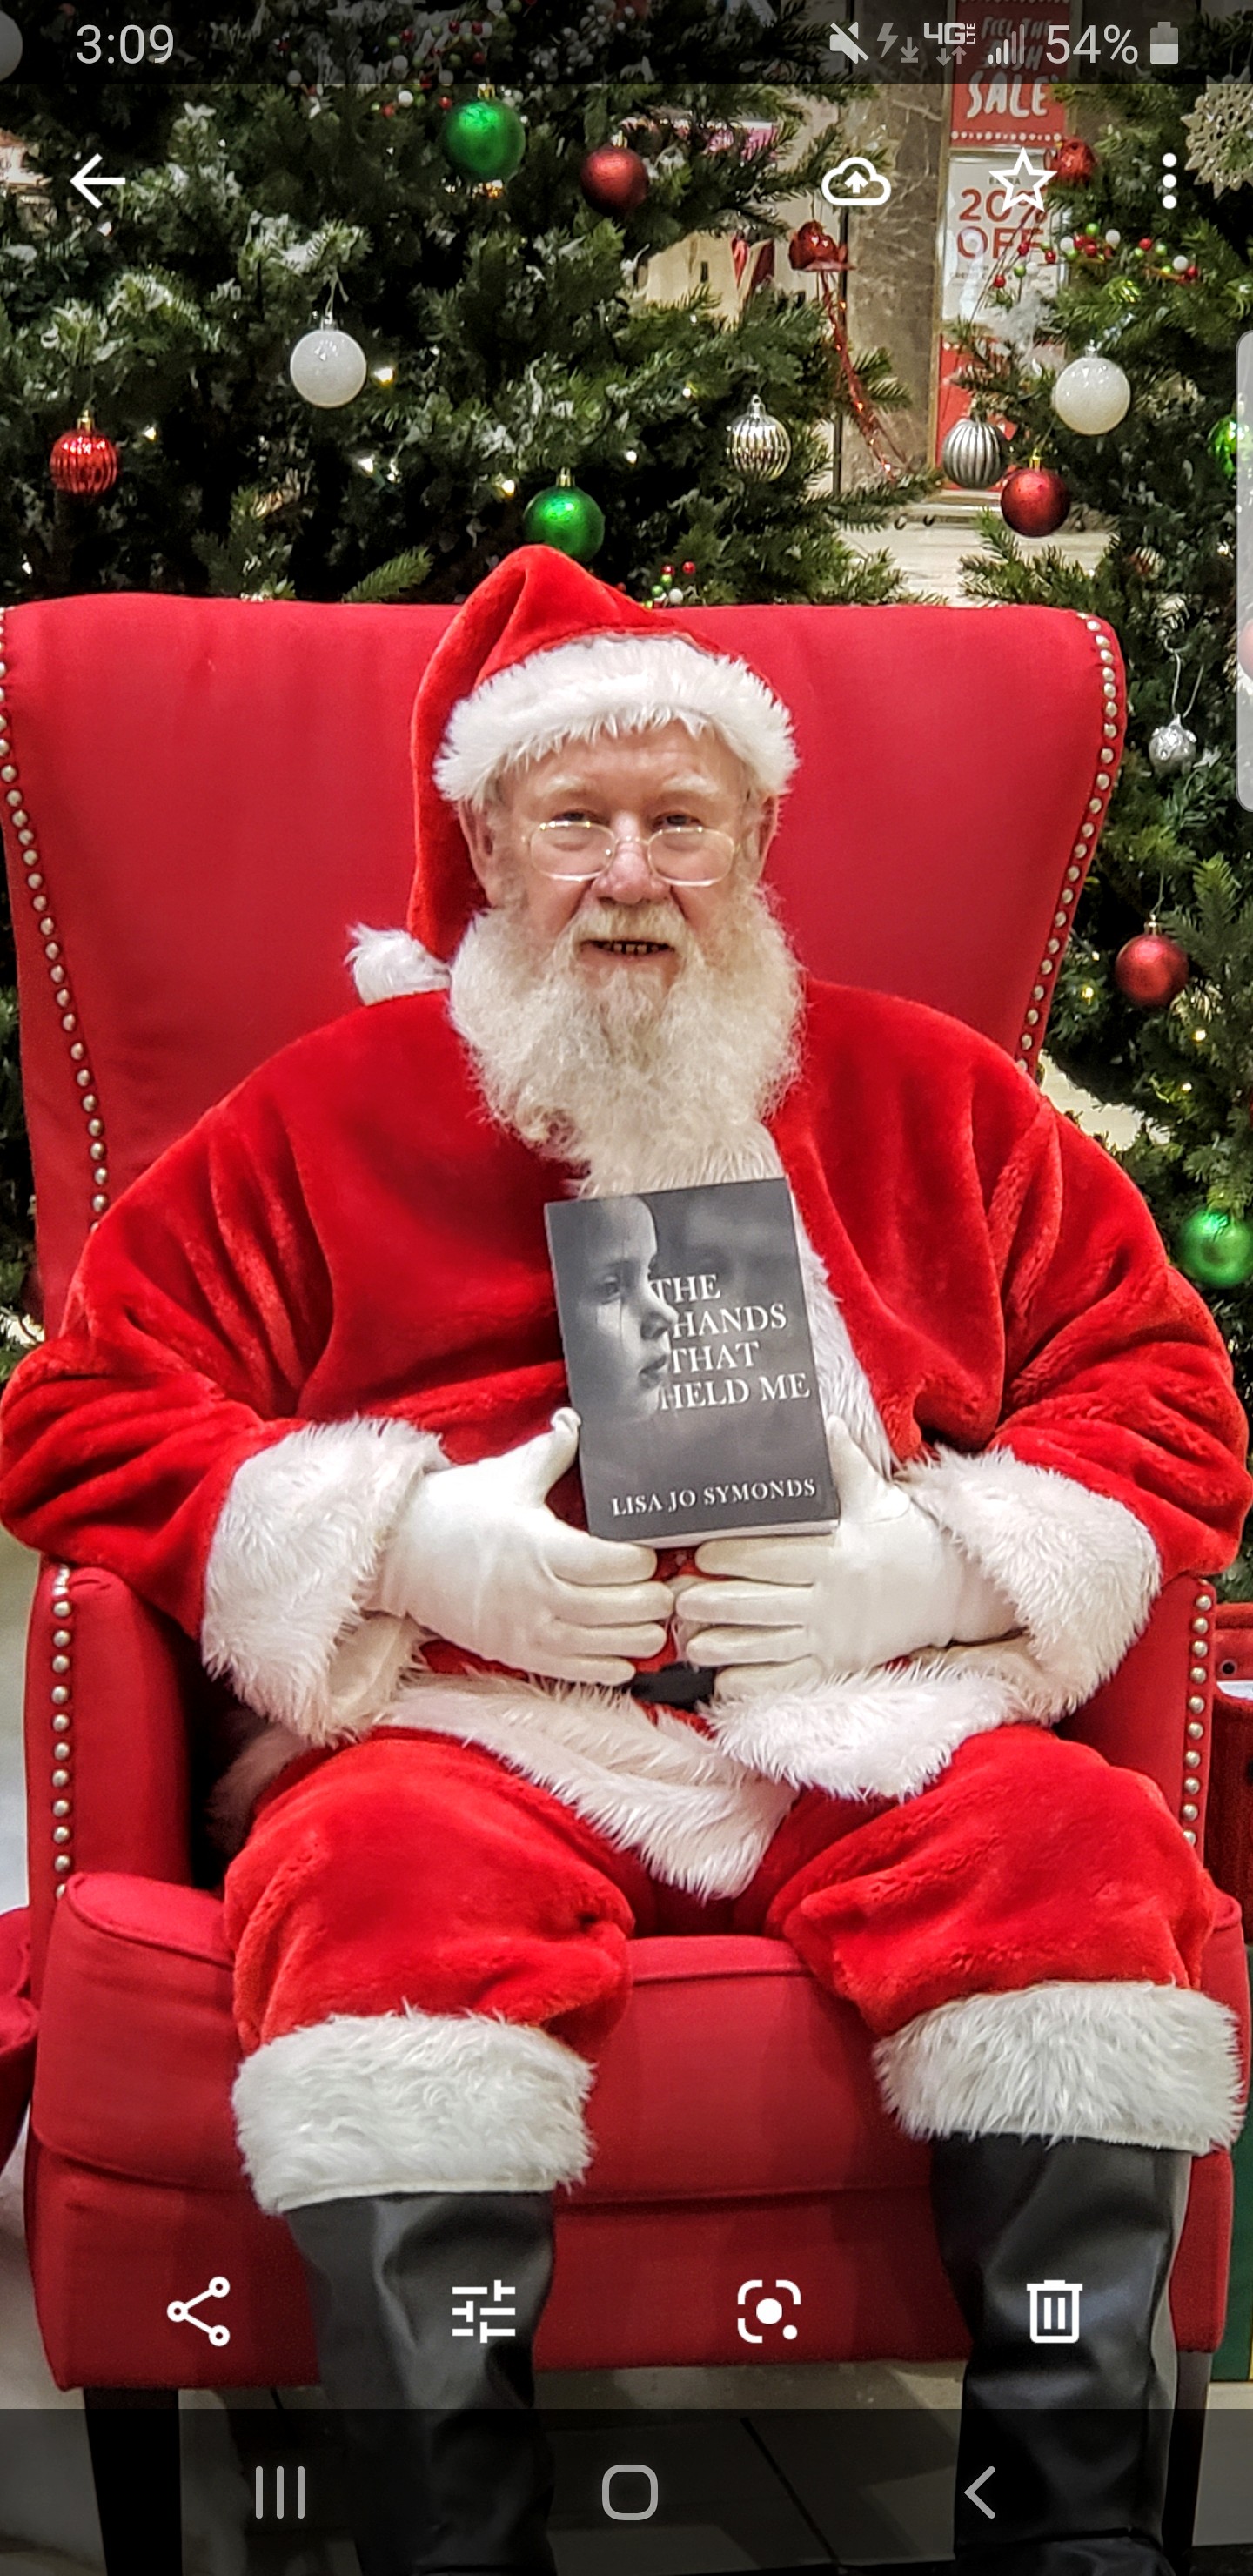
x: 855, y: 181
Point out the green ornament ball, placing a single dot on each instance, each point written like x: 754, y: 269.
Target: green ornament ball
x: 485, y: 138
x: 1228, y: 444
x: 1215, y: 1250
x: 568, y: 519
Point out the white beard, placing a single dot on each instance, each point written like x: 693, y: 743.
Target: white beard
x: 638, y: 1086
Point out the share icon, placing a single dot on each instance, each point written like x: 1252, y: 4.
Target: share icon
x: 181, y: 2312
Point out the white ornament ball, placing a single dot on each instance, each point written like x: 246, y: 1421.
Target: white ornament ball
x: 10, y: 46
x: 1114, y: 239
x: 1172, y: 748
x: 1091, y: 395
x: 327, y: 367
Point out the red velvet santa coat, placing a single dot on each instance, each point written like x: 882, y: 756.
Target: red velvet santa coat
x: 340, y: 1276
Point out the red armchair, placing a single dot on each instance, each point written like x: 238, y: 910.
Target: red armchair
x: 199, y: 799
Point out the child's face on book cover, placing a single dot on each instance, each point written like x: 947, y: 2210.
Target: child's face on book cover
x: 625, y: 1320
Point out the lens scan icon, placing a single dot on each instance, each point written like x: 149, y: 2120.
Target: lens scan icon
x: 767, y: 2311
x: 855, y: 181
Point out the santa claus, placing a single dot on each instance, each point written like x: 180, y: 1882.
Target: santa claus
x: 308, y: 1399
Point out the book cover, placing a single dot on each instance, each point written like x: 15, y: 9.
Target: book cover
x: 690, y: 1363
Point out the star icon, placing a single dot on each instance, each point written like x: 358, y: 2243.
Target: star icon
x: 1024, y: 185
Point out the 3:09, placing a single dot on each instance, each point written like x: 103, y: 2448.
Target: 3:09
x: 129, y: 45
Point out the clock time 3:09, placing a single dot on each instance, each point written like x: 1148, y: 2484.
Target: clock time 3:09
x: 129, y: 44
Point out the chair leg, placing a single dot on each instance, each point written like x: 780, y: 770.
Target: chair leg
x: 1183, y: 2477
x: 133, y: 2436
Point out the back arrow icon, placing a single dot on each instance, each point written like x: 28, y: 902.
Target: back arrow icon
x: 973, y: 2492
x: 91, y: 177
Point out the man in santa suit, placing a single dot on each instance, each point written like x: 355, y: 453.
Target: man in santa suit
x: 308, y: 1399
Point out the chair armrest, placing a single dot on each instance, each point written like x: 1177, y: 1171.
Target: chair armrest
x: 109, y: 1683
x: 1154, y: 1714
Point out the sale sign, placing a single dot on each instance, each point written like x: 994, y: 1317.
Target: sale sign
x: 1005, y: 124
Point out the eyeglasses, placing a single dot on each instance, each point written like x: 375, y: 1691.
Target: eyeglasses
x: 576, y: 853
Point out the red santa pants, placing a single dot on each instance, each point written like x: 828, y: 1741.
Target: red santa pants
x: 411, y: 1872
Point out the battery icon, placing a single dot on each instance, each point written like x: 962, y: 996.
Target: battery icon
x: 1163, y: 43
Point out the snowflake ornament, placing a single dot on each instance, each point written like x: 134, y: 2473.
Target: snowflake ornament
x: 1220, y: 133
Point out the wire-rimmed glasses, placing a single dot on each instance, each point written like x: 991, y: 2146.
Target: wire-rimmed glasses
x: 576, y: 853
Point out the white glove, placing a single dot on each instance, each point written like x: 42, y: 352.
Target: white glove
x: 479, y: 1559
x: 886, y: 1581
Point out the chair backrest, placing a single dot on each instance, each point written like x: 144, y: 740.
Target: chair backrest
x: 201, y: 796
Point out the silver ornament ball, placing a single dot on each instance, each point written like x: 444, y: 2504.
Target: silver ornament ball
x: 974, y: 454
x: 1172, y: 748
x: 758, y: 444
x: 327, y: 367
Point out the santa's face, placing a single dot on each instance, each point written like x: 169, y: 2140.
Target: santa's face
x: 638, y: 925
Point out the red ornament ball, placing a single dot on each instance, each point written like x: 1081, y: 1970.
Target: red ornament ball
x: 1150, y: 970
x: 1076, y: 161
x: 812, y: 246
x: 84, y: 462
x: 1034, y: 501
x: 689, y: 569
x: 614, y: 180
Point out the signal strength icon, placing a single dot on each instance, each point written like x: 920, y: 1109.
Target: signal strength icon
x: 1011, y: 53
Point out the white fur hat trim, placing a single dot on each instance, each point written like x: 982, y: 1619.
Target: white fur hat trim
x: 613, y: 683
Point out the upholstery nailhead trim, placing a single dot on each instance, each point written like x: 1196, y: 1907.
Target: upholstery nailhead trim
x: 61, y: 992
x: 1199, y: 1651
x: 1032, y: 1032
x: 61, y: 1661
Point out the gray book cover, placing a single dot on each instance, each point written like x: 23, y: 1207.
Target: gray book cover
x: 690, y: 1364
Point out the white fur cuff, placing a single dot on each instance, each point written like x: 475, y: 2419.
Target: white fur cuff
x: 291, y: 1565
x: 881, y: 1734
x: 616, y: 682
x: 410, y: 2102
x: 1081, y: 1571
x: 1136, y: 2064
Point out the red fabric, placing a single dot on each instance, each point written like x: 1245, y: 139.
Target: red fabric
x: 17, y: 2027
x: 411, y: 1871
x: 535, y: 600
x: 999, y: 1277
x: 738, y: 2131
x: 216, y: 796
x: 133, y: 1705
x: 1229, y: 1824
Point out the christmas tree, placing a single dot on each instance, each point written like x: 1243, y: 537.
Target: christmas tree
x: 1159, y: 292
x: 344, y: 173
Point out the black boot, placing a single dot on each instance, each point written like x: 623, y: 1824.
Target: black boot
x: 1076, y: 2433
x: 446, y: 2465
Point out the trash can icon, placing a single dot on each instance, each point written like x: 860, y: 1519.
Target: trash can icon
x: 1054, y: 2311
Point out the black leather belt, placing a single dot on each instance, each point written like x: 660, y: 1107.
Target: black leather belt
x: 675, y: 1685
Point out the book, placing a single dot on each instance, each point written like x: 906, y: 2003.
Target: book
x: 690, y: 1364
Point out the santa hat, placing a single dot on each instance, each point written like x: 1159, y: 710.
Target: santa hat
x: 543, y: 653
